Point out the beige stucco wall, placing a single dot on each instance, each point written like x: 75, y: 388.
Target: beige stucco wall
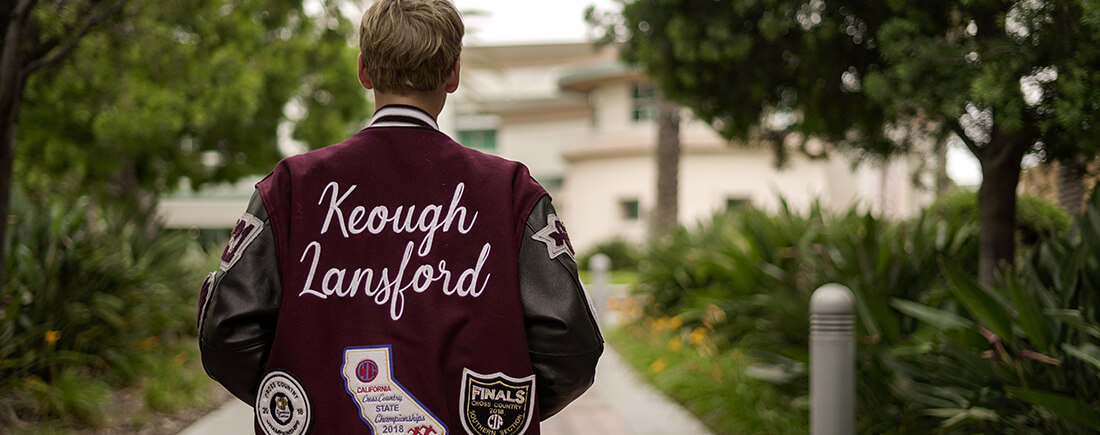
x: 591, y: 195
x: 613, y: 109
x: 709, y: 177
x: 539, y: 145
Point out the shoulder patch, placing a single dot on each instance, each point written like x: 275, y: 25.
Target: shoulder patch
x: 247, y: 229
x: 282, y: 405
x: 555, y: 237
x: 385, y: 405
x: 204, y: 294
x: 496, y: 404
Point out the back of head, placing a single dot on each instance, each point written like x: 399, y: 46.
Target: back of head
x: 410, y: 45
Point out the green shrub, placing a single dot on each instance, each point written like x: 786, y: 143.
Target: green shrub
x: 1022, y: 354
x: 1039, y: 218
x: 86, y: 285
x: 749, y: 276
x: 745, y: 265
x: 73, y: 396
x: 938, y: 353
x: 62, y: 302
x: 760, y: 269
x: 715, y: 385
x: 1035, y: 217
x: 170, y: 386
x: 623, y: 254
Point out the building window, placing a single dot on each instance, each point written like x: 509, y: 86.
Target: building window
x: 643, y: 102
x: 628, y: 209
x: 734, y: 203
x: 481, y: 140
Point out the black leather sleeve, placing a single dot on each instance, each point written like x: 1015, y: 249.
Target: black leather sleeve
x: 563, y: 335
x: 239, y: 305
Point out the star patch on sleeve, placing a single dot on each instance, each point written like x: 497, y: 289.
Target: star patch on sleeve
x: 555, y: 237
x: 246, y: 230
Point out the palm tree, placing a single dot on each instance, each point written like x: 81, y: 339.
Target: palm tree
x: 1070, y: 194
x: 668, y: 166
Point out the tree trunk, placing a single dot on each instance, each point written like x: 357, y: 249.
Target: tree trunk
x: 668, y: 167
x: 943, y: 181
x: 9, y: 110
x: 1070, y: 194
x: 11, y: 96
x: 139, y: 202
x: 1000, y: 160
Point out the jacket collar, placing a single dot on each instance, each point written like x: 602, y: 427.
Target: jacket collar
x: 399, y: 115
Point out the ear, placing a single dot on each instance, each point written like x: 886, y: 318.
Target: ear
x: 364, y: 76
x: 451, y: 84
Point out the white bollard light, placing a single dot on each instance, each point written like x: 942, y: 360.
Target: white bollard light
x: 600, y: 267
x: 832, y: 361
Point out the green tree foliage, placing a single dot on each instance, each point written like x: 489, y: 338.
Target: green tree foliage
x: 1006, y: 77
x: 33, y: 40
x: 127, y: 97
x: 188, y: 89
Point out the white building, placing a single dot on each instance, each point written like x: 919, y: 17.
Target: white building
x: 583, y: 123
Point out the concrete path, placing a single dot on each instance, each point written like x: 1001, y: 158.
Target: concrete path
x: 619, y: 403
x: 232, y: 418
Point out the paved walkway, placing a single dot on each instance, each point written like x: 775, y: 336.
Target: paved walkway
x: 619, y: 403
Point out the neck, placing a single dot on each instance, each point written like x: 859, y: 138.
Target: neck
x: 430, y: 102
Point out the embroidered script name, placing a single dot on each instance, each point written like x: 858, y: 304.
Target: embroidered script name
x: 388, y: 285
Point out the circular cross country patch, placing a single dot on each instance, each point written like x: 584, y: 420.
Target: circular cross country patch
x: 282, y: 406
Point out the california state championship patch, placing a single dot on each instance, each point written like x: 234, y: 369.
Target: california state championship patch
x: 282, y: 405
x: 385, y: 405
x: 496, y: 404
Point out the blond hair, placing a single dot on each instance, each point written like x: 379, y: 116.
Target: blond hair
x: 410, y: 45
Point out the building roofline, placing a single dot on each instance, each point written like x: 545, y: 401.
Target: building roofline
x: 529, y: 54
x: 521, y: 105
x: 586, y: 78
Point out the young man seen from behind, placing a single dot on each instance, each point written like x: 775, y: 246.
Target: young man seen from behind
x: 398, y: 281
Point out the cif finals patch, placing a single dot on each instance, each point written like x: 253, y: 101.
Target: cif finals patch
x: 383, y: 403
x: 496, y: 404
x: 282, y: 405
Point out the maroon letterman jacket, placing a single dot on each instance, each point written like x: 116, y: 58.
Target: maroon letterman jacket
x: 399, y: 282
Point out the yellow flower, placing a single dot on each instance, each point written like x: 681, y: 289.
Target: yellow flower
x: 698, y: 335
x: 675, y: 344
x: 675, y: 322
x: 52, y: 336
x: 632, y: 313
x: 717, y: 374
x: 148, y: 343
x: 713, y: 316
x: 658, y: 366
